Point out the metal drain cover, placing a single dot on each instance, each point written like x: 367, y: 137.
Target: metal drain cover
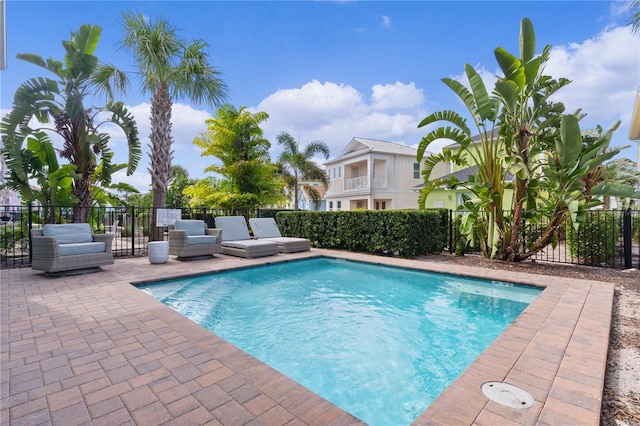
x: 506, y: 394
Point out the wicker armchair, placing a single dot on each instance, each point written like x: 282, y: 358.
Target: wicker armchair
x: 191, y: 238
x: 66, y: 247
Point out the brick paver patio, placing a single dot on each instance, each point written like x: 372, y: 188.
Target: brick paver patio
x: 92, y: 349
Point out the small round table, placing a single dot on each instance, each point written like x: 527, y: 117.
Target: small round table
x: 158, y: 251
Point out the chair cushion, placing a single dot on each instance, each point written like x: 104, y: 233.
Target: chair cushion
x: 69, y: 233
x: 191, y: 227
x: 265, y: 227
x: 82, y: 248
x: 201, y: 239
x: 245, y: 244
x: 234, y: 228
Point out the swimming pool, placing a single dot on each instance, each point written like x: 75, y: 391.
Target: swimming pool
x: 380, y: 342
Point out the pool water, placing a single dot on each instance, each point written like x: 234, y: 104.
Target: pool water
x: 380, y: 342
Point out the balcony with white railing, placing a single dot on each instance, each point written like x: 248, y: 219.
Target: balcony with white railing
x: 362, y: 182
x: 353, y: 184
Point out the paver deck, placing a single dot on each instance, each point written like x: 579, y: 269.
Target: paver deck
x: 92, y: 349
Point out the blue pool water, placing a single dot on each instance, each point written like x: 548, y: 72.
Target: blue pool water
x: 380, y: 342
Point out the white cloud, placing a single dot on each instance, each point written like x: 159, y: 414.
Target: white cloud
x: 335, y: 113
x: 141, y: 179
x: 605, y: 73
x: 398, y: 96
x: 386, y: 21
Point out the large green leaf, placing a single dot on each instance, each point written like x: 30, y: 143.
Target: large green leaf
x: 482, y: 100
x: 531, y: 69
x: 527, y: 40
x: 450, y: 133
x: 615, y: 190
x: 450, y: 116
x: 511, y: 67
x: 569, y: 145
x: 509, y: 93
x: 465, y: 95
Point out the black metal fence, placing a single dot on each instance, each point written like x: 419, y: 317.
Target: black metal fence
x: 130, y: 225
x: 610, y: 238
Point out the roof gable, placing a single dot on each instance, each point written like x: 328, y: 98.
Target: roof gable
x: 358, y: 144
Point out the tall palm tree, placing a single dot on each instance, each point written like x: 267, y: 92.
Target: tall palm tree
x: 299, y: 166
x: 634, y: 18
x: 61, y: 101
x: 169, y: 67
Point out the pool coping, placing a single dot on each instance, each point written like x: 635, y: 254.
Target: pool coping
x: 92, y: 348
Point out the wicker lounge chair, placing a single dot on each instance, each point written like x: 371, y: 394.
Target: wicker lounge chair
x: 267, y: 229
x: 192, y: 238
x: 236, y: 240
x: 68, y: 247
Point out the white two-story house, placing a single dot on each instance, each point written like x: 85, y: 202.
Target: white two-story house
x: 373, y: 175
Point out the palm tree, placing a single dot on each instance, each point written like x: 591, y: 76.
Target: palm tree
x: 298, y: 166
x: 169, y: 67
x: 634, y: 18
x: 61, y: 101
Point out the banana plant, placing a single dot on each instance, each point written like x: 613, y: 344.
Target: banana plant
x: 38, y: 164
x: 521, y: 132
x: 59, y: 106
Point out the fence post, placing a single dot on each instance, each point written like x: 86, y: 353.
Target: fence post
x: 133, y: 230
x: 626, y: 238
x: 30, y: 219
x: 451, y: 231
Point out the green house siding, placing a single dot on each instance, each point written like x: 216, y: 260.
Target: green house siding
x: 449, y: 198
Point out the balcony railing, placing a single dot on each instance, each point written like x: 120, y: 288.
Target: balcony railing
x: 362, y: 182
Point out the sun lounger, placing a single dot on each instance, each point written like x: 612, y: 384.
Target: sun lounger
x: 267, y: 229
x: 236, y: 240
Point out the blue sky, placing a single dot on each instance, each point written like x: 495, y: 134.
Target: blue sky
x: 335, y: 70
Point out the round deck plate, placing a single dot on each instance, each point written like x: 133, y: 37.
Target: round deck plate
x: 508, y: 395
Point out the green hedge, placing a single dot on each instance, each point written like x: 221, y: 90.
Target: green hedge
x: 404, y: 233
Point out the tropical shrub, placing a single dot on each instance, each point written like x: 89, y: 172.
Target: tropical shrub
x: 14, y: 237
x: 596, y: 242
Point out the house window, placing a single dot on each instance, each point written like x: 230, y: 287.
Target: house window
x: 416, y: 170
x: 330, y: 205
x: 339, y: 171
x: 461, y: 197
x: 360, y: 204
x: 381, y: 205
x: 339, y: 205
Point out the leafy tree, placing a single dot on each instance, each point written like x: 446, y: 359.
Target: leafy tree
x: 61, y: 102
x: 298, y: 165
x: 178, y: 181
x: 248, y: 177
x: 203, y: 192
x: 169, y: 67
x: 523, y: 132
